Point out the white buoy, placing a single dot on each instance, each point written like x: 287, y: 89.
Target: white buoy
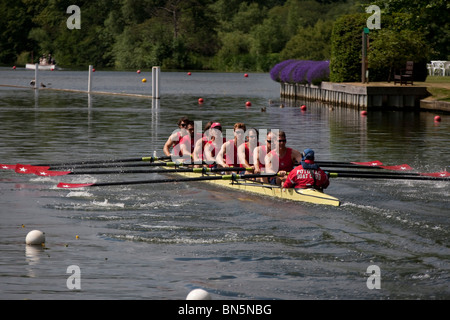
x: 35, y: 237
x: 198, y: 294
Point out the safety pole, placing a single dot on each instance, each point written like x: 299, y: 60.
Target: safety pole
x: 155, y: 82
x: 90, y: 78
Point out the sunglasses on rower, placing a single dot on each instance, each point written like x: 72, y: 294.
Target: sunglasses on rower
x: 281, y: 140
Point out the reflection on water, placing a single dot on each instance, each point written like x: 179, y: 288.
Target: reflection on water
x: 158, y: 242
x: 33, y: 256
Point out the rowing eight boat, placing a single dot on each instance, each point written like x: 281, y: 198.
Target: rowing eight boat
x: 300, y: 195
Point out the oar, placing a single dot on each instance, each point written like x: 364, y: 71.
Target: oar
x: 89, y: 162
x: 374, y: 163
x: 441, y: 174
x: 402, y: 167
x: 386, y: 176
x: 47, y: 173
x: 110, y: 165
x: 202, y: 178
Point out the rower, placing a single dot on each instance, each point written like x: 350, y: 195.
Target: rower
x: 259, y: 155
x: 214, y: 144
x: 187, y: 143
x: 281, y: 159
x: 198, y: 154
x: 175, y: 138
x: 246, y: 150
x: 307, y: 175
x: 227, y: 156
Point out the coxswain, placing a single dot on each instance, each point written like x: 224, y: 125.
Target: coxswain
x: 175, y: 138
x: 228, y: 155
x: 307, y: 175
x: 281, y: 159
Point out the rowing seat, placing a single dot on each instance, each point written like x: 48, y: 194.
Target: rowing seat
x: 406, y: 75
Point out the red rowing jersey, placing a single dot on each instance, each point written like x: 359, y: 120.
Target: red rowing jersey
x: 231, y: 149
x: 285, y: 163
x: 187, y: 140
x: 210, y: 145
x: 262, y: 155
x: 301, y: 178
x: 249, y: 153
x: 176, y: 148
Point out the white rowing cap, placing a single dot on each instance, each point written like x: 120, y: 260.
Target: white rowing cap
x: 198, y: 294
x: 35, y: 237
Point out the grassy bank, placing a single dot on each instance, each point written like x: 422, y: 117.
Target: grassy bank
x: 439, y: 87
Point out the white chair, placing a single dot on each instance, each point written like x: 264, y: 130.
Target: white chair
x: 430, y: 69
x: 439, y: 68
x: 447, y: 68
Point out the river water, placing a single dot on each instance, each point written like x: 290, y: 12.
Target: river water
x: 161, y: 241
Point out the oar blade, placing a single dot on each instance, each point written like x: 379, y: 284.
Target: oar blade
x: 63, y: 185
x: 375, y: 163
x: 29, y: 169
x: 443, y: 174
x: 48, y: 173
x: 8, y: 166
x: 401, y: 167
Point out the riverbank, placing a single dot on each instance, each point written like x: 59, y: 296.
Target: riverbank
x: 434, y: 94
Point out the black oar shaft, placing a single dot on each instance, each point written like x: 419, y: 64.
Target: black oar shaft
x: 88, y: 162
x: 117, y: 165
x: 386, y: 176
x: 201, y: 178
x: 196, y: 170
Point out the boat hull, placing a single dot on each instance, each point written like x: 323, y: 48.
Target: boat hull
x: 49, y: 67
x: 300, y: 195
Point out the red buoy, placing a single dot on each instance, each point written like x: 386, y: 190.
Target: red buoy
x: 303, y: 108
x: 248, y: 104
x: 200, y: 100
x: 189, y: 73
x: 138, y: 72
x: 364, y: 113
x: 437, y: 119
x: 14, y: 67
x: 246, y: 75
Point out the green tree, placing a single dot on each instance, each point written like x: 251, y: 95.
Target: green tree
x: 310, y: 43
x: 390, y: 49
x: 430, y: 17
x: 14, y: 26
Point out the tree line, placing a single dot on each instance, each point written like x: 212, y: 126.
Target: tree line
x: 225, y: 35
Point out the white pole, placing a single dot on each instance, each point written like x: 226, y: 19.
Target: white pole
x: 36, y: 71
x: 155, y: 82
x: 90, y: 79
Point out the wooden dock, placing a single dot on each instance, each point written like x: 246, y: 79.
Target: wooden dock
x: 364, y: 96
